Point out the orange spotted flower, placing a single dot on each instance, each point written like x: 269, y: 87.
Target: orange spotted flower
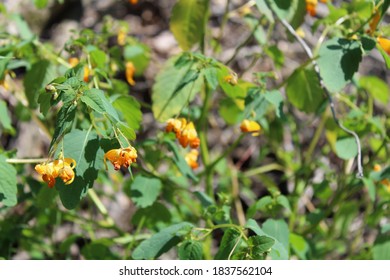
x: 311, y: 6
x: 385, y: 44
x: 176, y: 125
x: 185, y: 132
x: 133, y: 2
x: 130, y: 70
x: 122, y: 156
x: 191, y: 158
x: 62, y: 168
x: 189, y: 136
x: 250, y: 126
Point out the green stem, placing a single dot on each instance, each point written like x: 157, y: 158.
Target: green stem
x: 316, y: 138
x: 26, y: 160
x: 263, y: 169
x: 103, y: 210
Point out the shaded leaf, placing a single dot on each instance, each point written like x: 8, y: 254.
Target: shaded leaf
x: 40, y: 74
x: 338, y: 61
x: 190, y: 250
x: 188, y: 21
x: 144, y: 191
x: 346, y: 148
x: 84, y: 147
x: 228, y: 244
x: 162, y: 241
x: 304, y: 90
x: 139, y: 55
x: 8, y: 186
x: 170, y: 93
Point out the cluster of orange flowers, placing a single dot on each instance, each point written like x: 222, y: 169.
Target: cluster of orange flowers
x: 62, y: 168
x: 311, y: 6
x: 186, y: 134
x: 121, y: 157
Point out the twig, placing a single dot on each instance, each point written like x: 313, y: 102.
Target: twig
x: 331, y: 103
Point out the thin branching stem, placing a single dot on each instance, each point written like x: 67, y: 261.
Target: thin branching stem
x: 331, y: 103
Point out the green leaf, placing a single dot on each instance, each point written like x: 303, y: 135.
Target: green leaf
x: 346, y: 148
x: 230, y: 111
x: 130, y: 109
x: 259, y: 245
x: 98, y: 250
x: 40, y: 4
x: 384, y: 54
x: 376, y: 87
x: 5, y: 120
x: 299, y: 246
x: 145, y: 191
x: 275, y: 228
x: 40, y: 74
x: 169, y: 93
x: 188, y: 22
x: 64, y: 121
x: 338, y: 61
x: 139, y: 55
x: 97, y: 101
x: 276, y: 99
x: 127, y: 131
x: 304, y: 90
x: 228, y: 244
x: 263, y: 8
x: 204, y: 199
x: 4, y: 64
x: 190, y: 250
x: 381, y: 248
x: 153, y: 215
x: 8, y: 184
x: 276, y: 55
x: 98, y: 58
x: 44, y: 101
x: 371, y: 188
x: 261, y: 205
x: 162, y: 241
x: 22, y: 26
x: 180, y: 161
x: 84, y: 147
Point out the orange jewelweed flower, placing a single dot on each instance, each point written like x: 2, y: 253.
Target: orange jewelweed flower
x: 176, y: 125
x: 121, y: 38
x: 385, y: 44
x: 130, y: 70
x: 86, y: 74
x: 62, y: 168
x: 73, y: 61
x: 324, y: 1
x: 374, y: 21
x: 311, y: 6
x: 191, y: 158
x: 250, y: 126
x: 133, y: 2
x: 189, y: 136
x: 122, y: 156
